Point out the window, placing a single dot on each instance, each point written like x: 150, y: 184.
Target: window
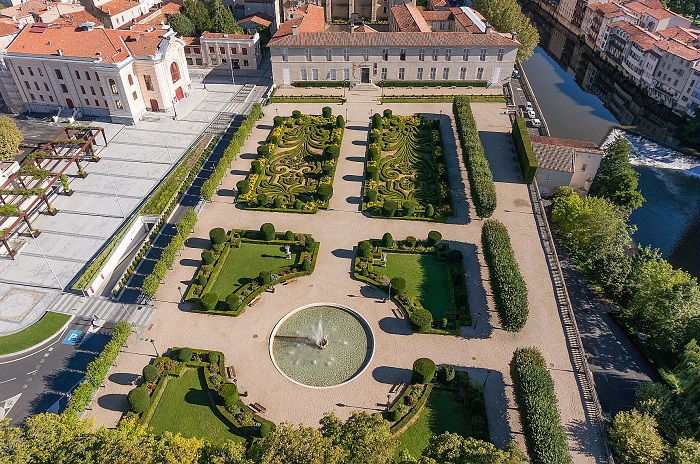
x: 402, y: 71
x: 21, y: 71
x: 196, y: 50
x: 211, y: 49
x: 365, y: 54
x: 36, y: 84
x: 584, y: 167
x: 222, y: 50
x: 82, y: 90
x: 448, y: 54
x: 50, y: 98
x: 175, y: 71
x: 102, y: 91
x: 130, y: 79
x: 46, y: 86
x: 402, y: 54
x: 346, y: 54
x: 479, y: 73
x: 41, y: 73
x: 383, y: 74
x: 87, y: 102
x: 482, y: 56
x: 433, y: 71
x: 234, y: 50
x: 41, y: 97
x: 462, y: 73
x: 31, y: 73
x: 329, y: 54
x: 92, y: 90
x: 314, y: 74
x: 303, y: 75
x: 59, y: 75
x: 421, y: 54
x: 445, y: 73
x: 118, y: 103
x: 245, y: 62
x: 436, y: 52
x: 77, y: 74
x: 547, y: 176
x: 307, y: 52
x: 87, y: 75
x: 385, y: 54
x: 501, y: 52
x: 285, y: 54
x: 244, y: 50
x: 64, y: 89
x: 148, y: 81
x: 419, y: 74
x: 97, y: 76
x: 97, y: 103
x: 346, y: 74
x: 31, y: 95
x: 113, y: 87
x: 27, y: 85
x: 465, y: 54
x: 334, y: 74
x: 134, y: 95
x: 106, y: 104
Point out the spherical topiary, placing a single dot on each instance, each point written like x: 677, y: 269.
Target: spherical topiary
x: 296, y: 114
x: 455, y: 256
x: 264, y: 278
x: 185, y: 354
x: 208, y: 301
x: 374, y: 152
x: 372, y: 195
x: 389, y: 208
x: 263, y: 199
x: 422, y: 319
x: 434, y: 238
x: 326, y: 111
x: 374, y: 136
x: 411, y: 241
x: 372, y: 173
x: 423, y: 370
x: 278, y: 121
x: 202, y: 280
x: 398, y: 285
x: 364, y: 249
x: 214, y: 357
x: 387, y: 240
x: 274, y: 139
x: 256, y: 167
x: 233, y: 302
x: 340, y: 122
x: 207, y: 257
x: 395, y: 414
x: 325, y: 191
x: 298, y: 204
x: 243, y: 186
x: 289, y: 235
x: 150, y: 373
x: 229, y: 394
x: 217, y: 236
x: 429, y: 211
x: 332, y: 151
x: 263, y: 151
x: 139, y: 400
x: 267, y: 231
x: 306, y: 265
x: 446, y: 374
x: 328, y: 170
x: 387, y: 113
x: 277, y: 202
x: 310, y: 244
x: 409, y: 207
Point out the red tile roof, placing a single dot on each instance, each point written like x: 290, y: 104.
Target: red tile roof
x: 8, y: 26
x: 409, y: 19
x: 364, y: 28
x: 76, y: 19
x: 559, y: 154
x: 308, y: 18
x: 23, y: 9
x: 437, y: 15
x: 114, y: 7
x: 191, y: 40
x: 686, y: 36
x: 676, y: 48
x: 465, y: 21
x: 220, y: 35
x: 660, y: 13
x: 555, y: 141
x: 393, y: 39
x: 258, y: 18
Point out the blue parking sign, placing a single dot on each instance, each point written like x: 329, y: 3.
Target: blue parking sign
x: 72, y: 337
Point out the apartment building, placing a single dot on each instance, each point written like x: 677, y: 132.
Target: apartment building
x: 117, y: 13
x: 675, y: 72
x: 238, y: 51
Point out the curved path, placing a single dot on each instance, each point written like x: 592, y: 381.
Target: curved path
x: 485, y: 350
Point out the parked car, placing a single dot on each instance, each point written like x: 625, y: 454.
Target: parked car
x: 531, y: 114
x: 536, y: 122
x: 516, y: 74
x: 528, y: 106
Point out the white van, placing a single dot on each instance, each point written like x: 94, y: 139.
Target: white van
x: 528, y: 106
x: 536, y: 122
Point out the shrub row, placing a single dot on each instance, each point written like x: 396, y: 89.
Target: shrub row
x: 97, y: 370
x: 526, y: 156
x: 481, y: 183
x: 230, y: 153
x: 509, y: 289
x: 537, y: 403
x: 434, y: 83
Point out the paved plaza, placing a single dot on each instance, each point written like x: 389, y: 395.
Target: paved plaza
x: 484, y: 350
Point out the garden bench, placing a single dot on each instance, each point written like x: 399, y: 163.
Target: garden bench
x: 254, y: 302
x: 290, y: 281
x: 259, y: 407
x: 230, y: 372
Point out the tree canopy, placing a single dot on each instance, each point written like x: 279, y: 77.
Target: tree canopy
x: 616, y: 180
x: 181, y: 24
x: 10, y: 138
x: 507, y: 16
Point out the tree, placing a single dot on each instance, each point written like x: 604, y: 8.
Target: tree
x: 398, y: 284
x: 288, y: 444
x: 451, y: 448
x: 422, y: 318
x: 691, y: 131
x: 139, y: 400
x: 325, y: 191
x: 364, y: 249
x: 229, y: 394
x: 181, y: 24
x: 616, y: 180
x: 387, y: 240
x: 10, y: 138
x: 634, y: 438
x: 198, y: 15
x: 365, y: 438
x: 423, y: 370
x: 222, y: 19
x: 686, y: 451
x: 688, y: 372
x: 506, y: 16
x: 267, y: 231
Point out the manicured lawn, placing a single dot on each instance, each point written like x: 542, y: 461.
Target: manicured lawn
x: 184, y: 408
x: 245, y: 263
x: 425, y: 279
x: 34, y: 334
x: 442, y: 413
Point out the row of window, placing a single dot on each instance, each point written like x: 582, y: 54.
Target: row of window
x: 333, y: 74
x: 401, y: 54
x: 59, y: 74
x: 222, y: 50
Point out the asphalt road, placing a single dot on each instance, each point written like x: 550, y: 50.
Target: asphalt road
x: 519, y: 100
x: 32, y: 382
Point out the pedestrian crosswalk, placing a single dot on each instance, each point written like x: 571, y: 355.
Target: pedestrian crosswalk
x: 105, y: 309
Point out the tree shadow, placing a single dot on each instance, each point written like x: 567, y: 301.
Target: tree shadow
x: 391, y: 375
x: 353, y: 178
x: 369, y: 291
x: 226, y: 193
x: 501, y: 156
x: 113, y: 402
x: 188, y: 262
x: 239, y: 172
x: 124, y: 378
x: 360, y: 143
x: 354, y: 200
x: 395, y: 326
x: 197, y: 396
x: 582, y: 439
x: 343, y: 253
x: 197, y: 242
x: 357, y: 128
x: 356, y: 159
x: 476, y: 292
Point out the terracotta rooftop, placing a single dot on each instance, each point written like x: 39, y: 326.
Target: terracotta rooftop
x: 8, y: 26
x: 559, y: 154
x: 681, y: 34
x: 364, y: 28
x: 155, y: 17
x: 393, y: 39
x: 114, y: 7
x: 23, y: 9
x: 676, y: 48
x: 590, y: 147
x: 308, y: 18
x: 604, y: 7
x: 437, y: 15
x: 660, y: 13
x: 219, y: 35
x: 465, y: 21
x: 409, y: 19
x: 191, y: 40
x: 258, y: 18
x: 76, y: 19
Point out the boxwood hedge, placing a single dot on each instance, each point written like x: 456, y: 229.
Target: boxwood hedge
x: 526, y: 156
x: 509, y: 289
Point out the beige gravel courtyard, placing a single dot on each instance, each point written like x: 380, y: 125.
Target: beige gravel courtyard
x: 485, y: 350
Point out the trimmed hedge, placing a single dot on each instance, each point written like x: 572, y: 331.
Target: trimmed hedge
x: 509, y: 289
x: 481, y: 184
x: 139, y: 400
x: 537, y: 403
x: 434, y: 83
x: 526, y: 156
x: 423, y: 370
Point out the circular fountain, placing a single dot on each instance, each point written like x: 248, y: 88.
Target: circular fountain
x: 321, y: 345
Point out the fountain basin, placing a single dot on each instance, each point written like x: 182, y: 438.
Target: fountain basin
x: 321, y: 345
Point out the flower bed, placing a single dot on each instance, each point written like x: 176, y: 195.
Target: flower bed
x: 406, y: 170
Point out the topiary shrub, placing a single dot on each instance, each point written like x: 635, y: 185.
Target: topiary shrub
x: 326, y: 111
x: 202, y: 280
x: 310, y: 244
x: 422, y: 319
x: 324, y: 191
x: 185, y: 354
x: 264, y: 277
x: 139, y: 400
x: 278, y: 121
x: 298, y: 204
x: 409, y: 207
x: 306, y: 265
x: 233, y: 302
x: 398, y: 284
x: 429, y: 211
x: 273, y: 139
x: 389, y: 208
x: 263, y: 199
x: 289, y: 235
x: 328, y: 170
x: 256, y: 167
x: 208, y: 301
x: 266, y: 427
x: 340, y: 122
x: 374, y: 152
x: 207, y: 257
x: 376, y: 121
x: 387, y: 113
x: 423, y: 370
x: 411, y: 241
x: 213, y: 357
x: 446, y: 374
x: 387, y: 240
x: 229, y: 394
x: 243, y: 186
x: 455, y: 256
x: 395, y: 415
x: 374, y: 136
x: 332, y: 151
x: 364, y: 249
x: 150, y: 373
x: 277, y: 202
x: 263, y: 151
x: 372, y: 195
x: 217, y: 236
x: 372, y: 173
x: 296, y: 114
x: 434, y: 238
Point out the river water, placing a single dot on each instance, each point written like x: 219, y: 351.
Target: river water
x: 670, y: 218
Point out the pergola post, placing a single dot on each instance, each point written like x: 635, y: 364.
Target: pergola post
x: 46, y: 200
x: 29, y: 224
x: 9, y: 250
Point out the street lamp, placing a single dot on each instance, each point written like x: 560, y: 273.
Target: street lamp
x: 204, y: 83
x: 346, y: 114
x: 179, y: 289
x: 153, y: 342
x: 175, y: 100
x: 389, y: 290
x: 488, y: 372
x: 31, y: 232
x: 388, y: 401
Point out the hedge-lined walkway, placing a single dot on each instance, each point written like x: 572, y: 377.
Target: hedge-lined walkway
x: 244, y: 340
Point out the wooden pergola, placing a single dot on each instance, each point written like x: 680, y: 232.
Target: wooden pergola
x: 26, y: 188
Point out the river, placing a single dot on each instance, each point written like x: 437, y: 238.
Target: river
x: 670, y: 218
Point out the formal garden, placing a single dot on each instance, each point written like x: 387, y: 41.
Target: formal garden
x: 241, y: 264
x: 406, y: 174
x: 295, y: 166
x: 190, y: 392
x: 425, y: 276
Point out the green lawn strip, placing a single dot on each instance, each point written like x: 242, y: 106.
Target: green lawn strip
x: 425, y: 279
x: 185, y: 408
x: 442, y: 413
x: 44, y: 328
x: 245, y: 264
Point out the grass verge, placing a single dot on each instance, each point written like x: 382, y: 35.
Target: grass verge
x: 44, y: 328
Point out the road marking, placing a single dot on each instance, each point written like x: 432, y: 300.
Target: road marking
x: 9, y: 380
x: 8, y: 404
x: 72, y: 337
x: 32, y: 372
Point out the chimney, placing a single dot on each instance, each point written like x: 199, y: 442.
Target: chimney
x: 60, y: 52
x: 487, y: 30
x: 513, y: 35
x: 295, y: 30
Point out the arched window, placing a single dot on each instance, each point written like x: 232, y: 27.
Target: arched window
x: 175, y: 71
x: 131, y: 80
x: 113, y: 86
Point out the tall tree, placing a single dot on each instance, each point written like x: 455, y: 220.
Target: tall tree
x: 291, y: 445
x: 616, y: 179
x: 507, y: 16
x: 181, y: 24
x: 366, y: 438
x: 222, y: 19
x: 451, y: 448
x: 10, y: 138
x: 634, y: 438
x: 198, y: 14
